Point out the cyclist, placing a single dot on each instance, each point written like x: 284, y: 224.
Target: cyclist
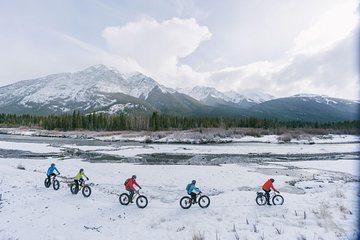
x: 268, y: 185
x: 129, y: 186
x: 51, y: 170
x: 79, y: 177
x: 192, y: 190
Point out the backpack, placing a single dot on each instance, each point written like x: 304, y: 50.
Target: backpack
x: 188, y: 187
x: 126, y: 181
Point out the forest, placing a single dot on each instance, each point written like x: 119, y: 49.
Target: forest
x: 159, y: 122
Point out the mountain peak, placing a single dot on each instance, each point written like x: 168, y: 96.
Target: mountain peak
x: 97, y: 67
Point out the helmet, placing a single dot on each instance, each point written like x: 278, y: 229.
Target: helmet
x: 81, y: 169
x: 193, y: 181
x: 53, y: 164
x: 133, y: 177
x: 272, y: 180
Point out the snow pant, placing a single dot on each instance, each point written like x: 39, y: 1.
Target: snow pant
x: 131, y: 194
x: 78, y: 183
x: 193, y: 196
x: 267, y: 196
x: 49, y: 176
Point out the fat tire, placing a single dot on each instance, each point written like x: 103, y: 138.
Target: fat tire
x: 204, y: 201
x: 74, y: 189
x: 142, y: 201
x: 86, y: 191
x: 278, y: 200
x: 47, y: 182
x: 261, y: 200
x: 185, y: 202
x: 124, y: 199
x: 56, y: 185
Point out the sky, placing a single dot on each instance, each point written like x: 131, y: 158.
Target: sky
x: 277, y: 47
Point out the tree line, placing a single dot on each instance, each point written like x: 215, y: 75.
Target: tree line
x: 157, y: 122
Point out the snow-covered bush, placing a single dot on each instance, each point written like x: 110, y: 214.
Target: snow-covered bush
x: 284, y: 138
x: 20, y: 167
x: 339, y: 194
x: 323, y: 211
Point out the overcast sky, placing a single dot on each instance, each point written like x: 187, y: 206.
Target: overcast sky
x: 278, y: 47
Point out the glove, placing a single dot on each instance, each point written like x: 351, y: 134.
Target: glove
x: 140, y: 187
x: 87, y: 178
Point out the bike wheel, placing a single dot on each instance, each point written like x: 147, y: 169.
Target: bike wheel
x: 47, y: 183
x: 124, y: 199
x: 56, y: 185
x: 204, y: 201
x: 261, y: 200
x: 74, y: 189
x: 86, y: 191
x: 278, y: 200
x: 141, y: 201
x: 185, y: 202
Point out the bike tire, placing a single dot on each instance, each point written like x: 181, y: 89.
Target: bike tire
x: 142, y: 201
x: 124, y: 199
x: 261, y: 200
x: 47, y: 182
x: 74, y: 189
x: 86, y: 191
x: 204, y: 201
x: 185, y: 202
x: 56, y: 185
x: 278, y: 200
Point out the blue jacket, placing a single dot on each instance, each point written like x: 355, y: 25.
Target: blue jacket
x: 51, y: 170
x: 193, y: 188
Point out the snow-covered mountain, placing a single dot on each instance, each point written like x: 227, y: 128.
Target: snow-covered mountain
x: 324, y: 99
x: 213, y: 97
x: 91, y: 89
x: 309, y: 107
x: 106, y: 90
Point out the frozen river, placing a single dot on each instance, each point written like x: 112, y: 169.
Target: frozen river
x: 92, y: 149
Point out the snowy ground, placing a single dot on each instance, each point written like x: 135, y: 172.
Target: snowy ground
x: 320, y: 196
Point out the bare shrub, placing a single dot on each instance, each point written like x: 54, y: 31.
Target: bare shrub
x: 301, y: 237
x: 344, y: 210
x: 262, y: 236
x: 247, y: 221
x: 234, y: 228
x: 21, y: 167
x: 323, y: 211
x: 198, y: 236
x: 278, y: 231
x: 304, y: 215
x: 339, y: 194
x: 217, y: 236
x: 255, y: 228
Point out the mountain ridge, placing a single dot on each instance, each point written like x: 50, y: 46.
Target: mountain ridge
x: 104, y: 89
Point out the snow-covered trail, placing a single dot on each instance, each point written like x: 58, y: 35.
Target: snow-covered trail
x: 322, y: 205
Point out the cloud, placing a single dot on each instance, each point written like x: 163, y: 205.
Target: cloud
x: 323, y: 60
x: 333, y: 26
x: 157, y: 46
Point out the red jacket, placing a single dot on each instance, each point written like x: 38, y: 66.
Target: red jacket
x: 269, y: 185
x: 131, y: 183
